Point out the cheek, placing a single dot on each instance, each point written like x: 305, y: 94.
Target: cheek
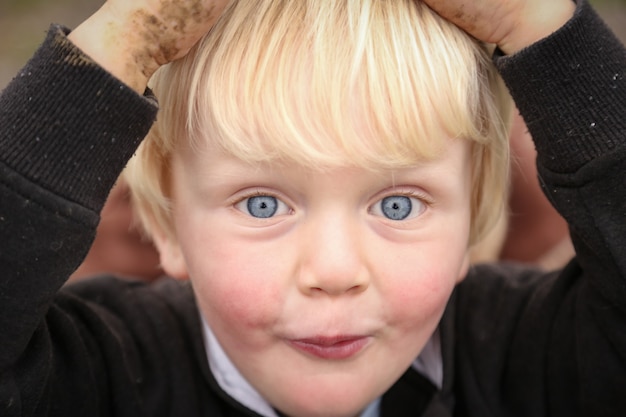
x: 420, y: 301
x: 418, y: 283
x: 236, y: 283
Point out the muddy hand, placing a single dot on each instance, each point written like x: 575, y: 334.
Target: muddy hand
x: 510, y: 24
x: 132, y: 39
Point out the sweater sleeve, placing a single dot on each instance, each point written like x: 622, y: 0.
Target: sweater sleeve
x: 67, y: 128
x: 571, y: 91
x: 566, y: 354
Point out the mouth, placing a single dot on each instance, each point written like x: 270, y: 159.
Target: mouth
x: 331, y: 348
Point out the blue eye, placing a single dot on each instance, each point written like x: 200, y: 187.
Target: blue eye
x: 398, y: 207
x: 262, y: 206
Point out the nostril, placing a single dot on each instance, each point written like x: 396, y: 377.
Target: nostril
x: 336, y: 290
x: 357, y: 288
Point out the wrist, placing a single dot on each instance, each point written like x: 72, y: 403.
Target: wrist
x: 538, y: 21
x: 116, y: 47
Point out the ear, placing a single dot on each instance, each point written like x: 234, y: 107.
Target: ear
x: 464, y: 267
x: 171, y: 256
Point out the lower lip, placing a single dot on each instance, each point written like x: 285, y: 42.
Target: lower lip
x: 342, y: 349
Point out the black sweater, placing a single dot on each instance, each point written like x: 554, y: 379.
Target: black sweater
x: 516, y: 342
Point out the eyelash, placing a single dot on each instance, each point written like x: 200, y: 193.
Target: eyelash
x: 421, y: 196
x: 255, y: 193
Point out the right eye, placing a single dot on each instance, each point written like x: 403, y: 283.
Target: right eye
x: 262, y: 206
x: 398, y: 207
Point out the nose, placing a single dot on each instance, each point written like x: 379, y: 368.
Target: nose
x: 333, y: 260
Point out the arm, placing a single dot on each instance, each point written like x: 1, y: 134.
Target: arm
x: 68, y: 128
x: 577, y: 123
x: 579, y: 130
x: 69, y: 122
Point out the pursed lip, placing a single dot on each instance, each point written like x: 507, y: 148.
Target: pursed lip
x: 335, y: 347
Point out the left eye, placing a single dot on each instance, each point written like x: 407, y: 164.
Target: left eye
x: 262, y: 206
x: 398, y: 207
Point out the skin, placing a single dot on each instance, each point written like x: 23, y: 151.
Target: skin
x: 512, y: 25
x: 132, y: 39
x: 328, y: 264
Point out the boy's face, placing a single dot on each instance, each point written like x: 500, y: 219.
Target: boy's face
x: 321, y: 286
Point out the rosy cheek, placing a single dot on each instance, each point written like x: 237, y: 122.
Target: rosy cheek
x: 421, y: 301
x: 238, y: 293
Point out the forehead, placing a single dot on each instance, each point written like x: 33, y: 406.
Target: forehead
x: 211, y: 162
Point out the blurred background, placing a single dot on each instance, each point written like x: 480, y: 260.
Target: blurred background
x: 23, y: 24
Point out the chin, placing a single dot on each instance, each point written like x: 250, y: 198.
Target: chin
x: 330, y: 411
x: 333, y: 401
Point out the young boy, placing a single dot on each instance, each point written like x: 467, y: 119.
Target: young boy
x: 317, y: 172
x: 322, y: 209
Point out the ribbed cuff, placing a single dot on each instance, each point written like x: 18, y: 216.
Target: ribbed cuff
x: 68, y: 125
x: 571, y: 89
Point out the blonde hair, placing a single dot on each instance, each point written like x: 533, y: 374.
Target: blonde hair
x: 370, y: 83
